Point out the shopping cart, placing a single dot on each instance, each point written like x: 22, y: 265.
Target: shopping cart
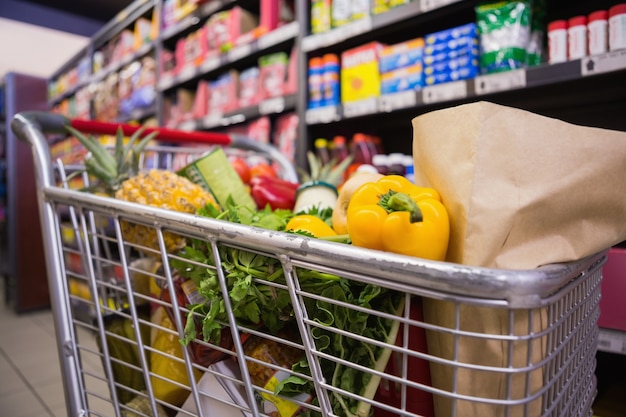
x: 342, y: 331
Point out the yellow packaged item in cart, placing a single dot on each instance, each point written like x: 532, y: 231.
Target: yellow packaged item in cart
x: 360, y: 78
x: 165, y: 367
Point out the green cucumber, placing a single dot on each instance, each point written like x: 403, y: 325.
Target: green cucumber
x: 216, y: 174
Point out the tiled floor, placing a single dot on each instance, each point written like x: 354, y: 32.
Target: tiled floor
x: 30, y: 376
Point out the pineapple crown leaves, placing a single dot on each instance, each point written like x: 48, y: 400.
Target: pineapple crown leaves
x: 331, y: 173
x: 113, y: 169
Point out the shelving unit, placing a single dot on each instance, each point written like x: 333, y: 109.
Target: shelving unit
x: 589, y: 91
x: 24, y: 269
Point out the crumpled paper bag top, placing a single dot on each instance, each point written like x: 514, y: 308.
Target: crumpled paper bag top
x: 522, y: 190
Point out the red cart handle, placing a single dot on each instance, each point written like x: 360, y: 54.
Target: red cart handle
x: 164, y: 134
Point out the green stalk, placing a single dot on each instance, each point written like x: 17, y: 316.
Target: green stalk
x: 363, y: 408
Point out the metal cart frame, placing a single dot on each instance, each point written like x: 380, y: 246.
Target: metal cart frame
x: 549, y: 314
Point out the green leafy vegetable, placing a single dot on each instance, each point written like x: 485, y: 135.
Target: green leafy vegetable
x: 256, y: 303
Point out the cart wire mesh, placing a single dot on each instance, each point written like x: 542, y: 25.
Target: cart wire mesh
x: 256, y: 322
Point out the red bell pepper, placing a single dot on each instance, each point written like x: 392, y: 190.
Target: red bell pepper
x: 278, y: 193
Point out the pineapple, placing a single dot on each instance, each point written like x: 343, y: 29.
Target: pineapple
x: 118, y: 176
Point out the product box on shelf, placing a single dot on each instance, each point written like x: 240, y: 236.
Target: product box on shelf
x: 223, y: 29
x: 249, y: 87
x: 462, y: 64
x: 451, y: 45
x: 382, y: 6
x: 466, y: 51
x: 612, y: 306
x: 320, y: 16
x: 469, y: 30
x: 285, y: 134
x: 453, y: 75
x: 201, y: 100
x: 360, y: 77
x: 401, y: 55
x: 273, y: 70
x: 223, y: 93
x: 403, y: 79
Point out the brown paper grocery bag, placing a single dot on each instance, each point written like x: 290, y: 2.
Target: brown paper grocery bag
x: 522, y: 190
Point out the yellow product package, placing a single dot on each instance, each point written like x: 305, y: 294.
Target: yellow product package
x: 166, y: 367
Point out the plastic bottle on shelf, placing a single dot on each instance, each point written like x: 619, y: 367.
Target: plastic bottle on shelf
x: 598, y: 32
x: 381, y: 162
x: 409, y: 168
x: 321, y: 150
x: 617, y: 27
x: 557, y: 41
x: 331, y: 95
x: 396, y: 164
x: 315, y: 81
x: 577, y: 37
x: 339, y: 149
x: 362, y: 149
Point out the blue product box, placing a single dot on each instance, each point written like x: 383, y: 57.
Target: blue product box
x: 451, y: 45
x: 458, y: 64
x: 401, y: 55
x: 463, y: 31
x: 403, y: 79
x: 456, y: 75
x: 471, y: 51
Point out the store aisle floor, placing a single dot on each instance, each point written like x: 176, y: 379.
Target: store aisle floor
x: 30, y: 376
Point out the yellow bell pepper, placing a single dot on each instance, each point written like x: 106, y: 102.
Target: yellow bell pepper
x: 394, y: 215
x: 310, y: 224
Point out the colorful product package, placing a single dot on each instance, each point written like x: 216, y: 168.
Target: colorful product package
x: 340, y: 12
x: 249, y: 87
x: 469, y: 30
x: 451, y: 45
x: 273, y: 75
x: 454, y: 75
x: 403, y: 79
x: 360, y: 78
x: 285, y: 134
x: 401, y: 55
x: 382, y: 6
x: 359, y: 9
x: 457, y: 64
x: 504, y: 29
x: 223, y: 93
x: 466, y: 51
x: 320, y: 16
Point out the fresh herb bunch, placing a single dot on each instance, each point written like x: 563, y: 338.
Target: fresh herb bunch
x: 254, y: 302
x: 257, y: 303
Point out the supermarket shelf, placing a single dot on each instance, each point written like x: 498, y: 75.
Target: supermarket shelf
x: 196, y: 18
x: 270, y: 106
x: 101, y: 75
x: 283, y: 34
x: 375, y: 23
x: 122, y: 20
x: 612, y: 341
x: 611, y: 62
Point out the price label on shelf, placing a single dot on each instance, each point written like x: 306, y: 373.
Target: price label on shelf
x: 235, y: 118
x: 166, y: 82
x: 187, y: 73
x: 357, y: 27
x: 397, y: 101
x: 210, y: 64
x: 444, y: 92
x: 322, y: 115
x: 188, y: 125
x: 502, y: 81
x: 212, y: 120
x: 598, y: 64
x: 360, y: 108
x: 428, y: 5
x: 272, y: 105
x: 612, y: 341
x: 283, y: 33
x: 239, y: 52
